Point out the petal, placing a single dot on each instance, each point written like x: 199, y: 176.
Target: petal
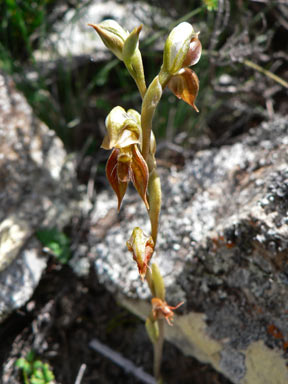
x: 194, y: 53
x: 126, y: 139
x: 124, y: 160
x: 118, y: 186
x: 185, y: 86
x: 140, y: 174
x: 123, y: 129
x: 176, y: 47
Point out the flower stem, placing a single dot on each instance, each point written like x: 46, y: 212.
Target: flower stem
x: 154, y: 189
x: 150, y: 102
x: 158, y: 350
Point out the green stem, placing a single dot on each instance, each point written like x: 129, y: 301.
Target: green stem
x: 139, y: 80
x: 154, y: 189
x: 150, y: 102
x: 158, y: 351
x: 135, y: 67
x: 26, y: 381
x: 256, y: 67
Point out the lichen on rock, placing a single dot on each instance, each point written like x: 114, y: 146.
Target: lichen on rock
x: 223, y: 251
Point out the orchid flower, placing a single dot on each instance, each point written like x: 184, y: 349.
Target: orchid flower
x: 125, y: 162
x: 182, y: 49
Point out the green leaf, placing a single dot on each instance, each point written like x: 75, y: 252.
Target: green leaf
x: 35, y: 380
x: 23, y: 364
x: 37, y: 364
x: 48, y: 374
x: 57, y: 242
x: 38, y: 374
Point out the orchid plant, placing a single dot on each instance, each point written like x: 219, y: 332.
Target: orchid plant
x: 132, y: 143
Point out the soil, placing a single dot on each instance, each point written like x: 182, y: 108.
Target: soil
x: 65, y: 314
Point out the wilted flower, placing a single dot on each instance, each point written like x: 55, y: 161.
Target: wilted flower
x: 125, y: 162
x: 142, y: 247
x: 161, y: 310
x: 182, y: 49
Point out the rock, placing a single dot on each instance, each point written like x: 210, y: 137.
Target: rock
x: 36, y: 189
x: 223, y: 249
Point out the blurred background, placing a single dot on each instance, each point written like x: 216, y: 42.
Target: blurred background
x: 72, y: 82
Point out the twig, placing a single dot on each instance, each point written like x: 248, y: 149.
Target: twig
x: 124, y: 363
x: 80, y: 374
x: 266, y: 73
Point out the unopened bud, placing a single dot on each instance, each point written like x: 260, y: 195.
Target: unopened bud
x: 176, y: 47
x: 158, y: 282
x: 112, y: 35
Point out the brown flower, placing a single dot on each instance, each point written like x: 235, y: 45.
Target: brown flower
x: 123, y: 165
x: 125, y: 162
x: 161, y: 310
x: 182, y: 49
x: 142, y: 247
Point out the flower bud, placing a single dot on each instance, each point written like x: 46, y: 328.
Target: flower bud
x: 158, y: 282
x: 176, y: 47
x: 142, y: 247
x: 112, y: 35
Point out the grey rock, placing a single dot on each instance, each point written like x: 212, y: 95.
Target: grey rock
x: 222, y: 248
x: 36, y: 189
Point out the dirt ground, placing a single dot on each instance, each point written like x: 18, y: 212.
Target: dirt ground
x: 61, y: 319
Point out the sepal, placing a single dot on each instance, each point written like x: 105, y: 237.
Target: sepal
x: 112, y: 175
x: 131, y: 44
x: 185, y: 86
